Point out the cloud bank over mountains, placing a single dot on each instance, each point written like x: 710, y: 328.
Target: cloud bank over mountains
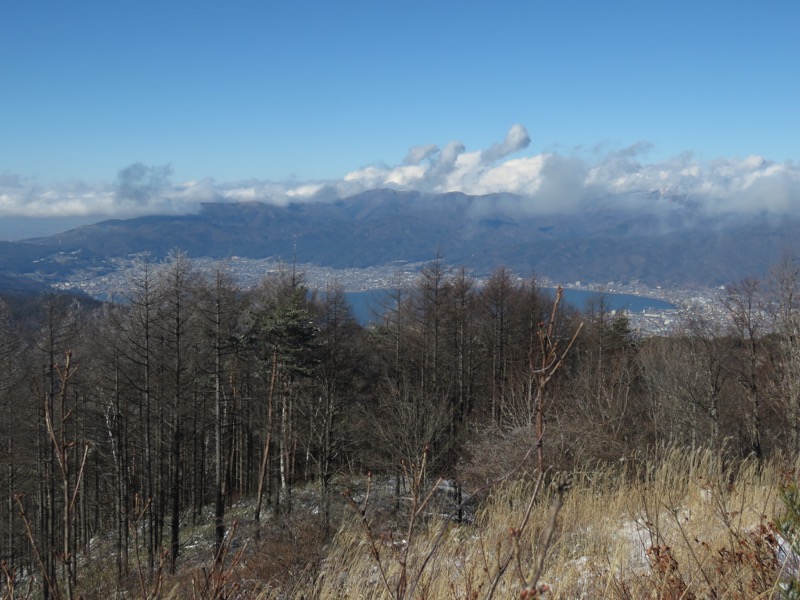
x: 550, y: 182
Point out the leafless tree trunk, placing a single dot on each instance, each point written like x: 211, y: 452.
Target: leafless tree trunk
x: 744, y: 304
x: 784, y: 308
x: 552, y: 351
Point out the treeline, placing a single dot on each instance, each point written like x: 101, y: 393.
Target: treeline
x: 130, y: 419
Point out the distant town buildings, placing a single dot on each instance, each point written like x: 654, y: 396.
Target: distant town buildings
x: 110, y: 279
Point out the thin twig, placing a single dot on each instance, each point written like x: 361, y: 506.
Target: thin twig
x: 558, y: 502
x: 362, y: 512
x: 34, y: 546
x: 507, y: 561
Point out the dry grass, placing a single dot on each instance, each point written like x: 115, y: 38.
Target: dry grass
x: 685, y: 526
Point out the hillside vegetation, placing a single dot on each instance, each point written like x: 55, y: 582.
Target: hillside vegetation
x: 681, y: 526
x: 196, y: 439
x: 657, y: 243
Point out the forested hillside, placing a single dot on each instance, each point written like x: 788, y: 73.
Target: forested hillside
x: 126, y: 425
x: 647, y: 237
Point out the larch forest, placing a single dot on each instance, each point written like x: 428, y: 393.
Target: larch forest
x: 127, y: 424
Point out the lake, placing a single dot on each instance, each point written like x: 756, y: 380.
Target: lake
x: 366, y: 304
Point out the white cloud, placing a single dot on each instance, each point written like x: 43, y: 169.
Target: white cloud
x: 549, y: 182
x: 417, y: 154
x: 204, y: 190
x: 517, y: 138
x: 406, y: 175
x: 520, y: 176
x: 368, y: 176
x: 304, y: 192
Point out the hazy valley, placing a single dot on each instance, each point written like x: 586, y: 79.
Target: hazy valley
x: 660, y: 242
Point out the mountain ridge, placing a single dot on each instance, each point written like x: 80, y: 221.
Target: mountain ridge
x: 658, y: 241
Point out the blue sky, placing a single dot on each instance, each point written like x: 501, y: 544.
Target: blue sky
x: 266, y: 98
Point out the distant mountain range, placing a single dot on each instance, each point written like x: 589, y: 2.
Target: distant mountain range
x: 655, y: 239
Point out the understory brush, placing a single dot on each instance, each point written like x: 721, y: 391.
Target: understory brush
x: 686, y: 525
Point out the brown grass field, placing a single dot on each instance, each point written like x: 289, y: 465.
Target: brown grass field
x: 685, y: 526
